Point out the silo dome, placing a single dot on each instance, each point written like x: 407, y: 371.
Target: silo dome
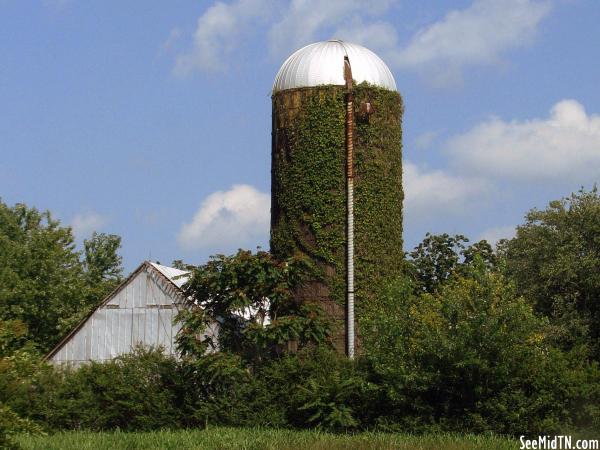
x: 321, y: 63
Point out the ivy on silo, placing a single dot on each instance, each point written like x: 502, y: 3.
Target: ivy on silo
x: 378, y: 193
x: 309, y: 184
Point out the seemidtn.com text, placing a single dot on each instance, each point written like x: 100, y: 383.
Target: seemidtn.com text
x: 558, y: 443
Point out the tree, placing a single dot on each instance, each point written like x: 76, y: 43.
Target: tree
x: 13, y: 336
x: 250, y: 296
x: 44, y: 284
x: 439, y: 257
x: 179, y: 264
x: 102, y: 263
x: 41, y: 276
x: 555, y: 262
x: 473, y: 356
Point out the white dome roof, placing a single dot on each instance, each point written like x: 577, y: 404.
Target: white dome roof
x: 323, y: 63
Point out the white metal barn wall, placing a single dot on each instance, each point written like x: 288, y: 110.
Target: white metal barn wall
x: 142, y: 312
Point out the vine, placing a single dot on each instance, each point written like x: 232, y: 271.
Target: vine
x: 309, y: 186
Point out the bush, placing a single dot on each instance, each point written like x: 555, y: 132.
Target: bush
x: 314, y: 388
x: 473, y: 357
x: 23, y: 377
x: 133, y: 392
x: 219, y: 390
x: 317, y: 388
x: 11, y: 424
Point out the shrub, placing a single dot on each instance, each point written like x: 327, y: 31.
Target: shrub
x: 133, y: 392
x: 473, y: 356
x: 219, y: 390
x: 22, y: 379
x: 331, y: 396
x: 317, y: 388
x: 11, y: 424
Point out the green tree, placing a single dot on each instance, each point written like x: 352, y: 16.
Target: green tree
x: 250, y: 296
x: 473, y: 356
x: 179, y: 264
x: 41, y: 276
x: 102, y: 263
x: 45, y: 283
x: 438, y: 257
x: 13, y: 336
x: 555, y: 262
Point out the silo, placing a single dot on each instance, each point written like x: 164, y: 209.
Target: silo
x: 317, y: 115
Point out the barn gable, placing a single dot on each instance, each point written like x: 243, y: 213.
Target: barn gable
x: 140, y: 311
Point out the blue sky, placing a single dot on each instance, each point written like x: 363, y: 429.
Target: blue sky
x: 151, y: 119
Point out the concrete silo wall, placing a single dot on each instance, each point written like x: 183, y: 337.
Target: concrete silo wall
x: 308, y: 210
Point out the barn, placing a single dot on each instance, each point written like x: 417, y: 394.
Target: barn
x: 140, y: 311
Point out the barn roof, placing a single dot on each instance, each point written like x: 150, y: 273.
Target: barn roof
x: 177, y: 276
x: 170, y: 278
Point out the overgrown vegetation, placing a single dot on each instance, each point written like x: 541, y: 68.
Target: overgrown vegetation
x: 468, y: 339
x: 309, y: 188
x: 250, y: 297
x: 473, y: 356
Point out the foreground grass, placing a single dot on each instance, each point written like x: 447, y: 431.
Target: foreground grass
x: 236, y: 438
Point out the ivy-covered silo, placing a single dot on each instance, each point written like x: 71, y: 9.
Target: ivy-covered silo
x: 309, y: 173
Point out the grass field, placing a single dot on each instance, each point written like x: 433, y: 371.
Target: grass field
x: 236, y: 438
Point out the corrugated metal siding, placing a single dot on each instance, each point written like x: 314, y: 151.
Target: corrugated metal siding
x: 141, y: 313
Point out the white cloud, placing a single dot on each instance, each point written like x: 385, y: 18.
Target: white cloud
x: 493, y: 235
x: 221, y: 29
x: 228, y: 220
x: 477, y: 35
x: 377, y: 35
x: 427, y: 194
x: 218, y: 32
x: 83, y: 224
x: 304, y: 20
x: 565, y: 146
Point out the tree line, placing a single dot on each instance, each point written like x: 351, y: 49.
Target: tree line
x: 470, y: 338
